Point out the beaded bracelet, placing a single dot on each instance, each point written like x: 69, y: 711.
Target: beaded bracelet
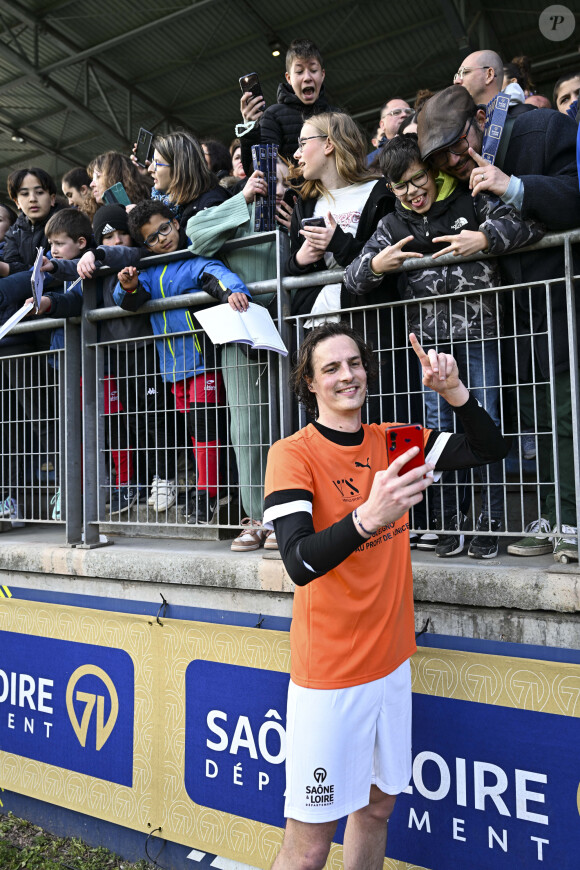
x: 358, y: 522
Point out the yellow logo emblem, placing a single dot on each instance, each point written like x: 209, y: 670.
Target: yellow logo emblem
x: 104, y: 729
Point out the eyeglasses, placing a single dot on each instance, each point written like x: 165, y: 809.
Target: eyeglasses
x: 463, y: 70
x: 396, y: 112
x: 163, y: 230
x: 460, y: 146
x: 419, y: 179
x: 157, y: 163
x: 305, y: 139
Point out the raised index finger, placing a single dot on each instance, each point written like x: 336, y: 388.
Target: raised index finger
x: 481, y: 161
x: 418, y: 349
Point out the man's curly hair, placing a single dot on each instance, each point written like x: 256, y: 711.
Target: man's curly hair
x: 303, y: 372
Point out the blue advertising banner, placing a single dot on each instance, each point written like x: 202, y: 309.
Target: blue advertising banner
x: 60, y: 704
x: 235, y: 739
x: 179, y: 726
x: 492, y: 786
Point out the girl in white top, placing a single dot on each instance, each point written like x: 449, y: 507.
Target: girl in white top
x: 339, y: 188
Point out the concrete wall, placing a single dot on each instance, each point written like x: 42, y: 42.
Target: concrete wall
x: 519, y: 600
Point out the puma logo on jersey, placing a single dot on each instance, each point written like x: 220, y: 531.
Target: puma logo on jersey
x: 363, y: 464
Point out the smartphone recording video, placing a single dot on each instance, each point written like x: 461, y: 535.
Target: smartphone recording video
x: 251, y: 83
x: 143, y: 150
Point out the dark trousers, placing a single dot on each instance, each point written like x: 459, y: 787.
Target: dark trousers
x: 29, y: 431
x: 146, y: 422
x: 561, y: 397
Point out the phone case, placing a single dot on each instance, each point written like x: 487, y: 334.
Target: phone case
x: 250, y: 82
x: 402, y: 438
x: 143, y: 150
x: 116, y: 195
x: 264, y: 158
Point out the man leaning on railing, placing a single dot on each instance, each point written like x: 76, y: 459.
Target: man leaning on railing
x: 536, y: 175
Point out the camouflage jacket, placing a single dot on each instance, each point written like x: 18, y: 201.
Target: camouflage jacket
x: 436, y: 321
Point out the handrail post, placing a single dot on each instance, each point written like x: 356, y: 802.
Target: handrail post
x: 71, y: 446
x: 573, y: 358
x: 92, y: 423
x: 285, y: 330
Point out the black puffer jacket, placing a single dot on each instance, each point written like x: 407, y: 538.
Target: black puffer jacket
x: 542, y: 153
x: 116, y: 257
x: 472, y: 317
x: 22, y: 240
x: 343, y: 246
x: 214, y: 196
x: 281, y: 124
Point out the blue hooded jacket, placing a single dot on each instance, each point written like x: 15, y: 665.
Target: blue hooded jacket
x: 179, y: 357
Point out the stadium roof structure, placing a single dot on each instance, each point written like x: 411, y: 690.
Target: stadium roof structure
x: 78, y: 78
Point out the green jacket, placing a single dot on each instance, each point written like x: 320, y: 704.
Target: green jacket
x: 211, y: 228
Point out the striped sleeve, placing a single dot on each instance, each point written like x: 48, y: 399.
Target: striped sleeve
x: 288, y: 486
x: 285, y: 502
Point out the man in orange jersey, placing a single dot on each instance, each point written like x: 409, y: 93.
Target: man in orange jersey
x: 341, y: 520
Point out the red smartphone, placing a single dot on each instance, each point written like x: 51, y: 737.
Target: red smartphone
x: 402, y: 438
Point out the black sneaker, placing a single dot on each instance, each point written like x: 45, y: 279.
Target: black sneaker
x: 123, y: 498
x: 429, y: 540
x: 204, y: 508
x: 485, y: 546
x: 451, y: 543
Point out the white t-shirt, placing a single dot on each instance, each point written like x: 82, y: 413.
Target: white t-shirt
x: 346, y: 205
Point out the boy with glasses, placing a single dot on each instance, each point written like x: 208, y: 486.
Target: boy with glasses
x: 188, y: 367
x: 437, y: 216
x: 134, y: 394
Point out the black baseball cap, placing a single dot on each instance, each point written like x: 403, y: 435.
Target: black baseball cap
x: 441, y: 120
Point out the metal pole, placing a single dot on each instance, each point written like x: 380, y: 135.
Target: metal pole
x: 285, y: 330
x: 90, y: 422
x: 573, y: 351
x: 70, y: 421
x: 554, y: 416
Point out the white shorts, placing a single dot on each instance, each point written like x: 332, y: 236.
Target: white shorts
x: 341, y: 741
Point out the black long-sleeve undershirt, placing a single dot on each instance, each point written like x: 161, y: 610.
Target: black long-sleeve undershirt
x: 308, y: 554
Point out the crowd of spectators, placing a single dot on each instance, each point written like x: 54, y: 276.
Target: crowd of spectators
x: 422, y: 189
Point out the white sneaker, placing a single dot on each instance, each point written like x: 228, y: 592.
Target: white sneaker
x: 163, y: 494
x: 153, y: 496
x: 251, y: 536
x: 566, y: 545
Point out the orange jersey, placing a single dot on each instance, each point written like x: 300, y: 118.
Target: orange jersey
x: 355, y: 623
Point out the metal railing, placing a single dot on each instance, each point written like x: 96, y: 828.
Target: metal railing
x: 130, y: 452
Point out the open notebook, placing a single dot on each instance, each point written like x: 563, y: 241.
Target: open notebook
x: 254, y: 327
